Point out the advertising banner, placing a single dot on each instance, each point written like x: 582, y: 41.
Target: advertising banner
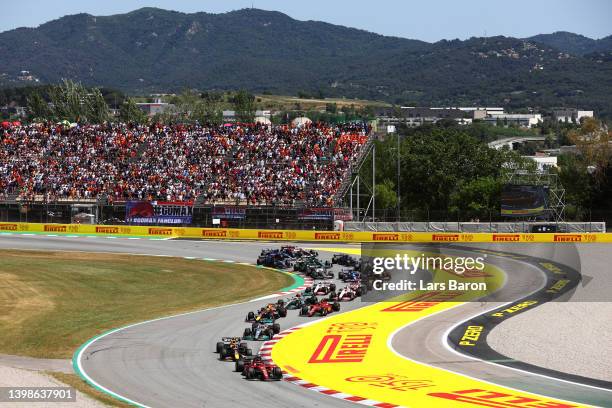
x: 316, y: 214
x: 158, y: 212
x: 229, y: 213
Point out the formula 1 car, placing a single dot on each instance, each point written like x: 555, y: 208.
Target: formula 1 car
x: 274, y: 259
x: 324, y: 288
x: 349, y: 275
x: 293, y: 303
x: 267, y: 314
x: 296, y: 252
x: 255, y: 368
x: 349, y: 292
x: 344, y: 260
x: 261, y: 331
x: 319, y: 273
x: 309, y: 297
x: 231, y: 347
x: 322, y: 308
x: 300, y: 264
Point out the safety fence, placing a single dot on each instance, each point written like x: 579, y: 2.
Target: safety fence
x: 162, y: 232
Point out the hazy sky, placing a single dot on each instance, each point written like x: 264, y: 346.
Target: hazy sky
x: 430, y: 20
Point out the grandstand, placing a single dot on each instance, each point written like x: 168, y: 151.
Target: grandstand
x: 252, y: 164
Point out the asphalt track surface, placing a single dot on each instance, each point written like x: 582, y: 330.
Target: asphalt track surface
x: 170, y: 362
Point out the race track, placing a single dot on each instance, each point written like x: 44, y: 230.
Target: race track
x: 170, y: 362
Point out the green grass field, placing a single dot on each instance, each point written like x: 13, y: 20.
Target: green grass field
x: 52, y: 302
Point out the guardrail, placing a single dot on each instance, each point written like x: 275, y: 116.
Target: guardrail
x: 297, y: 235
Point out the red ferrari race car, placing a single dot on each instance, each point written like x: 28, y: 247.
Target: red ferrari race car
x: 324, y: 288
x: 322, y: 308
x: 255, y: 368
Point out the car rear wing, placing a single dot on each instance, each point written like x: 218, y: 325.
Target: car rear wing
x: 229, y: 339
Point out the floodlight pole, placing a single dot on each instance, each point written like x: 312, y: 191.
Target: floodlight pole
x: 373, y: 183
x: 398, y: 180
x: 358, y: 194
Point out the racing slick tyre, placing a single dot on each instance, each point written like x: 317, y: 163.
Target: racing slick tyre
x: 276, y: 328
x: 220, y: 345
x: 250, y: 373
x: 332, y: 287
x: 323, y: 312
x: 239, y: 366
x: 277, y: 373
x: 358, y: 291
x: 224, y: 352
x: 336, y: 307
x: 280, y: 302
x: 248, y: 352
x: 304, y: 311
x: 308, y: 290
x: 242, y: 347
x: 250, y: 316
x: 247, y: 333
x: 282, y: 312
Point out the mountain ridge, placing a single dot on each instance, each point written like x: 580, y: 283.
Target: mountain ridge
x: 155, y: 50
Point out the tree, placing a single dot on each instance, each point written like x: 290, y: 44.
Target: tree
x: 209, y: 109
x: 244, y: 105
x: 593, y: 142
x: 386, y: 196
x: 476, y: 199
x: 67, y: 99
x: 130, y: 112
x: 72, y: 101
x: 186, y: 104
x: 38, y: 107
x: 443, y: 169
x: 95, y: 107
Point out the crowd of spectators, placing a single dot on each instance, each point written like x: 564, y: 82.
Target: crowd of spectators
x: 247, y: 164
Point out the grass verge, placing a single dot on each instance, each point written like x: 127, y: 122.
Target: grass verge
x: 52, y: 302
x: 73, y: 380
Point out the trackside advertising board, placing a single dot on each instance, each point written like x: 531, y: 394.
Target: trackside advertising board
x: 158, y: 212
x: 9, y: 228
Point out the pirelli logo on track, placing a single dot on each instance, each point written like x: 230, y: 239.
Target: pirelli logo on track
x: 160, y: 231
x: 55, y: 228
x: 506, y: 237
x: 214, y: 233
x: 516, y: 308
x: 107, y: 230
x: 471, y: 335
x: 385, y: 237
x: 423, y: 301
x: 270, y: 234
x: 445, y: 237
x: 327, y: 235
x: 339, y: 348
x: 567, y: 238
x: 495, y: 399
x: 8, y: 227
